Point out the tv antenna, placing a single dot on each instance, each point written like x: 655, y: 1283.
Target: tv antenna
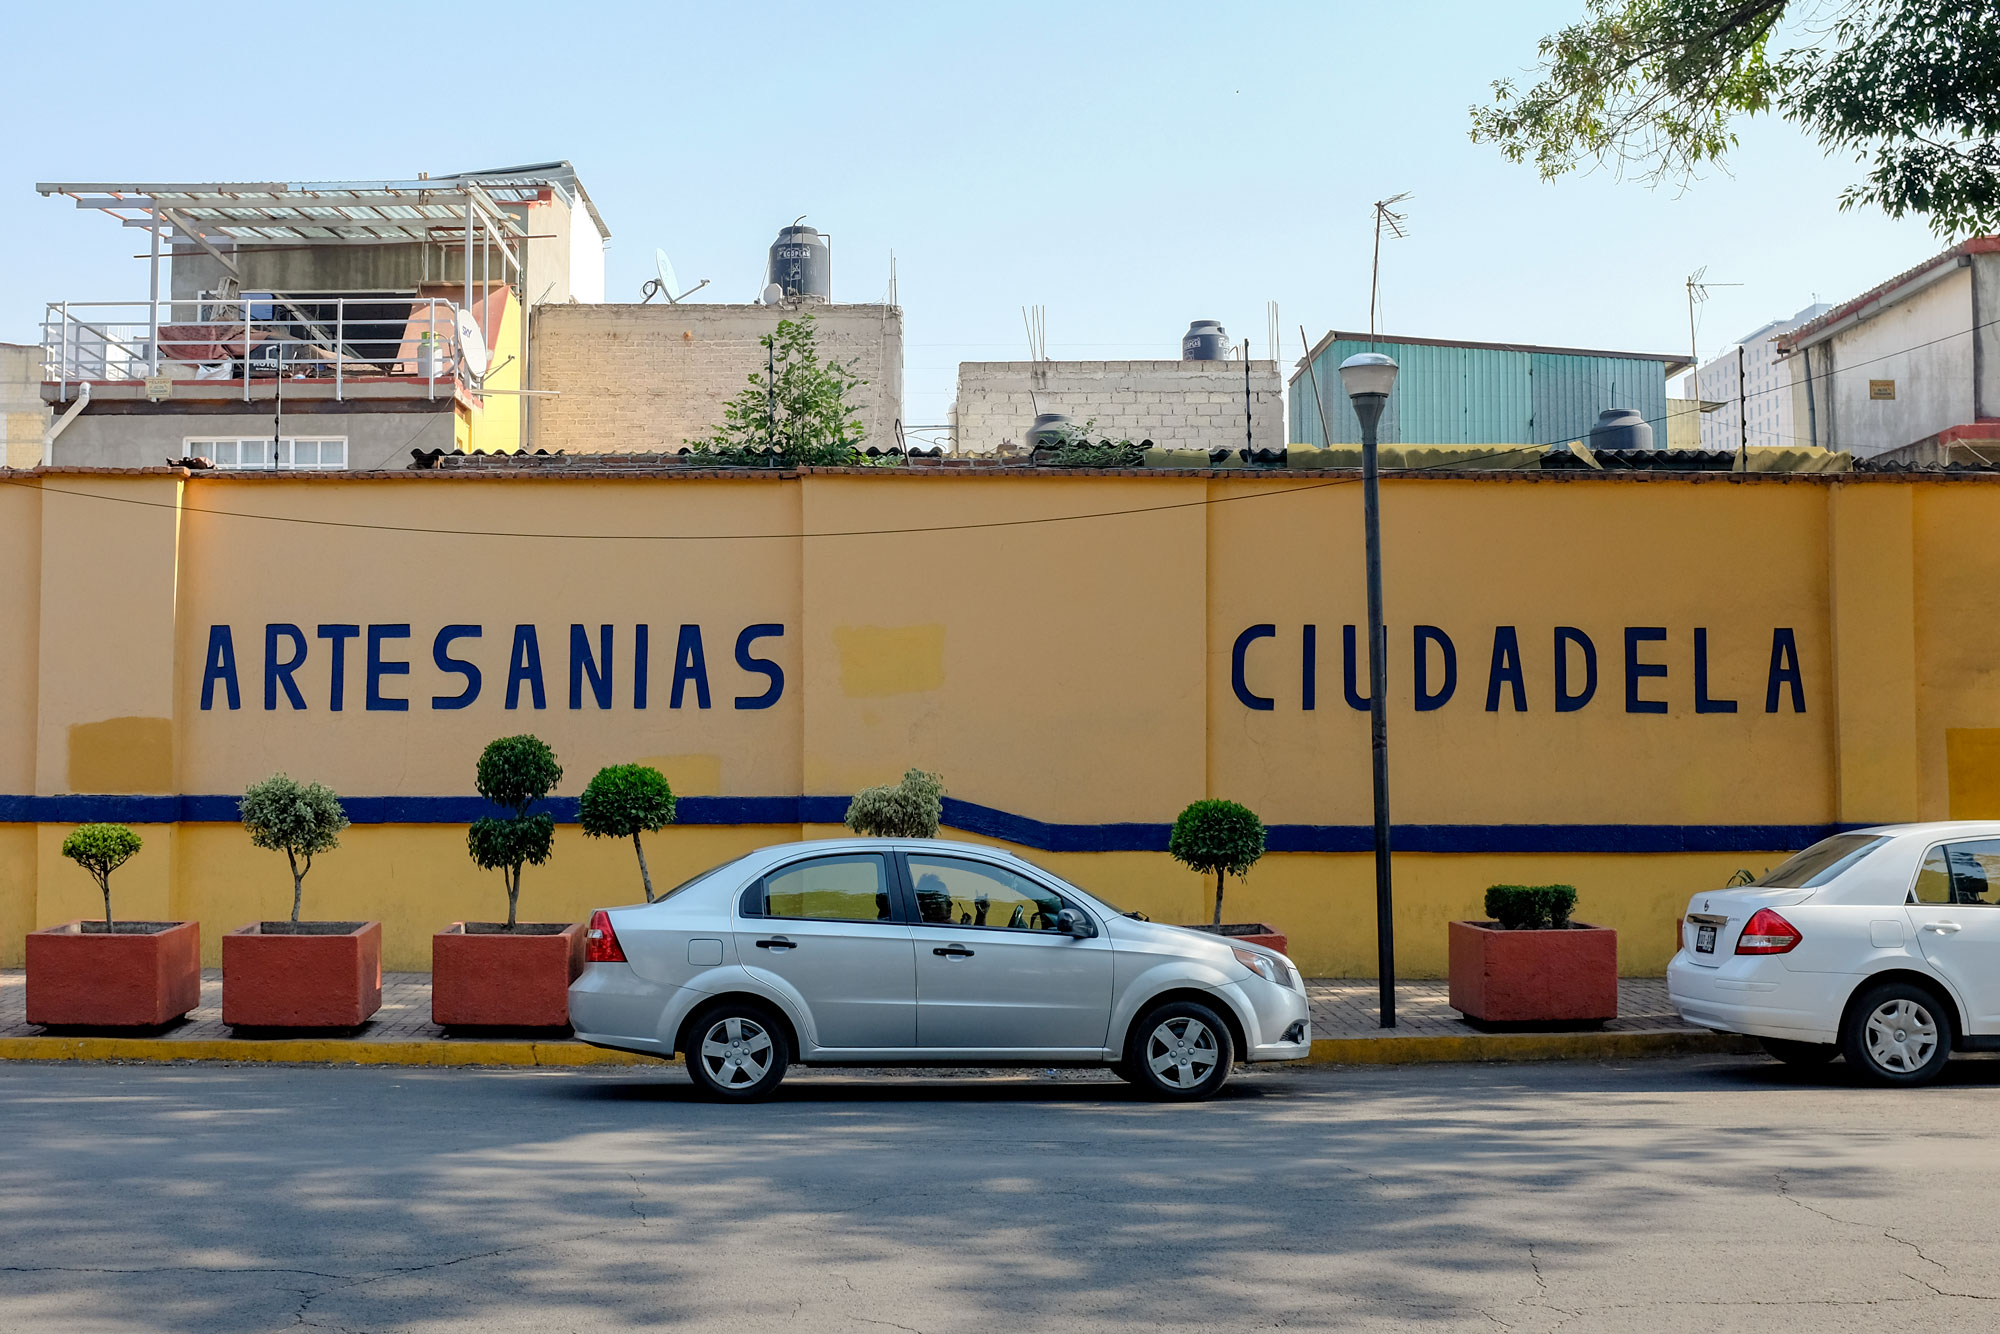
x: 1385, y: 216
x: 666, y: 284
x: 1036, y: 318
x: 1698, y: 293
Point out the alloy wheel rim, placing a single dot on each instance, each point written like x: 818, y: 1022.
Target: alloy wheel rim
x: 1902, y: 1036
x: 1181, y: 1052
x: 736, y: 1052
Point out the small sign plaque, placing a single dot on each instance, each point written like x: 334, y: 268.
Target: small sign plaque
x: 159, y: 387
x: 1881, y: 389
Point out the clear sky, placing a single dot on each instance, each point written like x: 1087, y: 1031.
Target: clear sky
x: 1128, y: 166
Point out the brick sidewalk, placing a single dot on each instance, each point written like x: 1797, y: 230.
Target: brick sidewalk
x: 1341, y: 1009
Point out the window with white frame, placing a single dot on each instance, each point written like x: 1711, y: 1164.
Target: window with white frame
x: 264, y: 453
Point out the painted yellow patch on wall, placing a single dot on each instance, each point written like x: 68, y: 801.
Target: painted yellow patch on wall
x: 889, y: 660
x: 1972, y: 764
x: 122, y: 755
x: 689, y: 775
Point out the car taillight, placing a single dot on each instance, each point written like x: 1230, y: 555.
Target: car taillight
x: 600, y: 942
x: 1767, y: 933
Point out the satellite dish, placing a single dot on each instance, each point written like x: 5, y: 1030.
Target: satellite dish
x: 773, y: 294
x: 669, y: 284
x: 472, y: 354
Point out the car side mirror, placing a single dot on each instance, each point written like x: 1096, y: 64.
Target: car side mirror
x: 1073, y: 923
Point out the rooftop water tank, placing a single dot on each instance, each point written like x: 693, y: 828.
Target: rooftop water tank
x: 802, y: 262
x: 1621, y: 428
x: 1205, y: 340
x: 1049, y: 429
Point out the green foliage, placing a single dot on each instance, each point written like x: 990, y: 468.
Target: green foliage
x: 796, y: 416
x: 1656, y: 86
x: 298, y: 819
x: 625, y: 800
x: 909, y: 809
x: 101, y: 849
x: 1217, y: 838
x: 514, y: 773
x: 1530, y: 907
x: 1073, y: 448
x: 1743, y: 875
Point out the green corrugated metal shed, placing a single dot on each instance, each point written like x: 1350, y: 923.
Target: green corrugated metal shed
x: 1483, y: 393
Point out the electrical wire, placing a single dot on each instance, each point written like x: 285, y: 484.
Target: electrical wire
x: 1453, y: 465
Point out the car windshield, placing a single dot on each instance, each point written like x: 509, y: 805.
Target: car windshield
x: 1063, y: 880
x: 1820, y: 863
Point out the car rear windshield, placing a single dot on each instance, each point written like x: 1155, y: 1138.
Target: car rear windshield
x: 1820, y: 863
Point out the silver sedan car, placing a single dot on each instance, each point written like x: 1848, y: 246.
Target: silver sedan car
x: 872, y: 951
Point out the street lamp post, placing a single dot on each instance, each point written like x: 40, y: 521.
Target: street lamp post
x: 1368, y: 378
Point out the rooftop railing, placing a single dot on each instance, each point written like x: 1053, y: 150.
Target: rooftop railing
x: 342, y: 338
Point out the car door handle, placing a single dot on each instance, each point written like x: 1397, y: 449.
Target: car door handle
x: 1943, y: 928
x: 777, y: 943
x: 952, y: 952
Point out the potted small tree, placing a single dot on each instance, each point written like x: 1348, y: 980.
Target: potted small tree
x: 1530, y: 964
x: 292, y: 973
x: 909, y: 809
x: 89, y: 974
x: 624, y: 801
x: 510, y: 974
x: 1223, y: 838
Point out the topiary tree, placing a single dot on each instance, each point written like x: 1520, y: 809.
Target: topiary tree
x: 514, y: 773
x: 298, y: 819
x: 1219, y: 836
x: 909, y: 809
x: 101, y: 849
x: 628, y: 800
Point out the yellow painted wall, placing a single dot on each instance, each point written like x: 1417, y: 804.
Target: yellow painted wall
x: 1060, y: 648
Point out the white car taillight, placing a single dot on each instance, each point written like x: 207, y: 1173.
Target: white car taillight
x: 1767, y: 933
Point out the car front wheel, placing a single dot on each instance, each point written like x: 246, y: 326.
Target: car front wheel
x: 737, y: 1052
x: 1897, y: 1033
x: 1801, y: 1053
x: 1179, y: 1051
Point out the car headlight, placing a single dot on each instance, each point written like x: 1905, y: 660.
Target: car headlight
x: 1263, y: 965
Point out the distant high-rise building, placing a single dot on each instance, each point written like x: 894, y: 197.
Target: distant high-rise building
x: 1753, y: 389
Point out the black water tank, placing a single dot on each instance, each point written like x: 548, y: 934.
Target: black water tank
x: 1620, y: 428
x: 1049, y: 429
x: 1205, y: 341
x: 802, y: 263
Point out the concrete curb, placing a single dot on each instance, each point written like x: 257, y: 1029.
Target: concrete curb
x: 1437, y: 1047
x: 1401, y: 1050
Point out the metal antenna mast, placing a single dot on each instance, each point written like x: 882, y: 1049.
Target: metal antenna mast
x: 1385, y: 216
x: 1698, y: 293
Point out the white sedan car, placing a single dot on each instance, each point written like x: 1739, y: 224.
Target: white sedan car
x: 1880, y: 945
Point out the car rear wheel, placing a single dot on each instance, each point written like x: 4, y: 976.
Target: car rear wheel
x: 1180, y: 1051
x: 736, y: 1051
x: 1801, y: 1053
x: 1897, y: 1033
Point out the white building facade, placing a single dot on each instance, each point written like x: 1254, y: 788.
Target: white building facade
x: 1753, y: 387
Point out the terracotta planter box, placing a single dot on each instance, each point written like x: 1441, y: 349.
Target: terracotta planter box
x: 137, y: 975
x: 485, y: 976
x: 1534, y: 977
x: 301, y: 975
x: 1256, y: 933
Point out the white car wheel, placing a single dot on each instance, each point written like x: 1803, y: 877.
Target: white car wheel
x: 1898, y: 1033
x: 736, y: 1052
x: 1181, y: 1050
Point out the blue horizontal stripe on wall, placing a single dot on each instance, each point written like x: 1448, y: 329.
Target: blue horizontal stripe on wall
x: 972, y: 818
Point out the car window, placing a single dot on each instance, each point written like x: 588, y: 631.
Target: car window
x: 1820, y: 863
x: 826, y: 889
x: 1960, y: 873
x: 953, y: 892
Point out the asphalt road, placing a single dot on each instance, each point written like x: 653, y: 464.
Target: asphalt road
x: 1710, y: 1195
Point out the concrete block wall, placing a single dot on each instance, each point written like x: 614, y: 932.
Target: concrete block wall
x: 1175, y: 404
x: 652, y: 377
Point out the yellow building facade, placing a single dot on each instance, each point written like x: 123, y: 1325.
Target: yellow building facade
x: 1572, y: 698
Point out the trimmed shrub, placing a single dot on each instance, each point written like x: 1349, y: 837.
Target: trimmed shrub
x: 1217, y: 837
x: 298, y: 819
x: 101, y: 849
x: 1531, y: 907
x: 514, y: 772
x: 624, y: 801
x: 909, y: 809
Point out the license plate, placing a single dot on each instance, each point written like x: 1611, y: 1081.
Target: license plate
x: 1704, y: 940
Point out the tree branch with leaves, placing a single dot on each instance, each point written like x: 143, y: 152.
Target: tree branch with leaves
x: 794, y: 413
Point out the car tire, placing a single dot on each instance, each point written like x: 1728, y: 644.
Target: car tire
x: 1802, y: 1054
x: 736, y: 1051
x: 1897, y: 1033
x: 1179, y: 1052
